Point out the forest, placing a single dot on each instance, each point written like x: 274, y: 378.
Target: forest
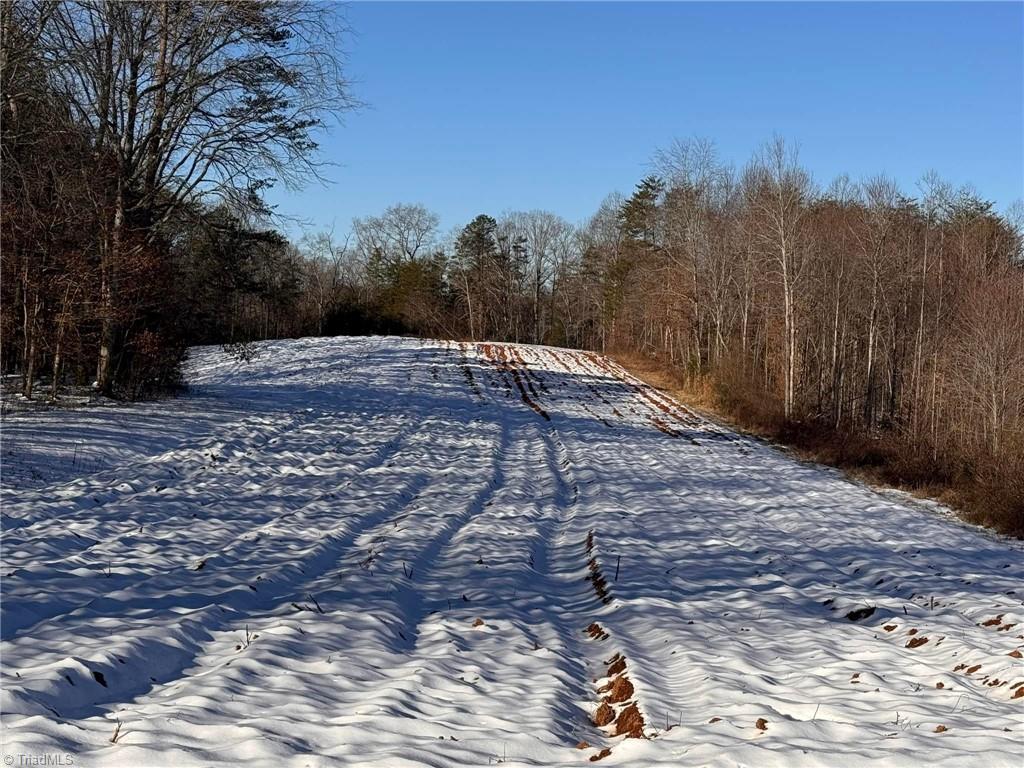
x: 875, y: 327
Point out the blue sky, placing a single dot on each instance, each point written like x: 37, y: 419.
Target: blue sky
x: 487, y: 107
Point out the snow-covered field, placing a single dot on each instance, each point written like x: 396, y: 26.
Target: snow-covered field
x: 389, y: 552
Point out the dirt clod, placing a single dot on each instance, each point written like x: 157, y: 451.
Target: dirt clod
x: 478, y: 623
x: 941, y: 729
x: 621, y: 690
x: 761, y: 724
x: 861, y: 613
x: 630, y: 723
x: 602, y: 754
x: 604, y: 715
x: 617, y: 666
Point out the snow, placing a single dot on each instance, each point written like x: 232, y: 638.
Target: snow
x: 376, y: 552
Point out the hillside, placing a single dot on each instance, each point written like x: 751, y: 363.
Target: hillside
x: 390, y: 552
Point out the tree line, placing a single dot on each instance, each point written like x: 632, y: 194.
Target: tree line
x: 876, y: 327
x: 138, y: 139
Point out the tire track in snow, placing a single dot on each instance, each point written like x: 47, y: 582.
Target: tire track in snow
x: 619, y: 699
x: 800, y: 546
x: 621, y: 705
x: 559, y: 589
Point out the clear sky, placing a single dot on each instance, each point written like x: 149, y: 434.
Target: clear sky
x: 486, y: 107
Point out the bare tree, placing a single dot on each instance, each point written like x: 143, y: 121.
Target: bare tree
x: 546, y: 240
x: 191, y: 101
x: 778, y: 191
x: 404, y: 232
x: 324, y: 267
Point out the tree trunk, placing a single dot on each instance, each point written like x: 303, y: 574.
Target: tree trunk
x: 109, y: 258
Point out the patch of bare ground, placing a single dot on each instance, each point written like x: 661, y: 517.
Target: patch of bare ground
x: 630, y: 723
x: 617, y: 665
x: 603, y: 715
x: 595, y: 577
x: 617, y: 708
x: 505, y: 361
x: 619, y: 690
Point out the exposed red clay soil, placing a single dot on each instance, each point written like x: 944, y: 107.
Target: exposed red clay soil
x: 478, y: 623
x: 661, y: 426
x: 916, y: 642
x: 647, y: 393
x: 600, y: 755
x: 941, y: 729
x: 583, y: 745
x: 761, y: 724
x: 972, y: 670
x: 617, y: 665
x: 1015, y: 653
x: 530, y: 376
x: 889, y: 627
x: 499, y: 356
x: 993, y: 621
x: 1019, y: 692
x: 604, y: 715
x: 630, y: 723
x: 619, y: 691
